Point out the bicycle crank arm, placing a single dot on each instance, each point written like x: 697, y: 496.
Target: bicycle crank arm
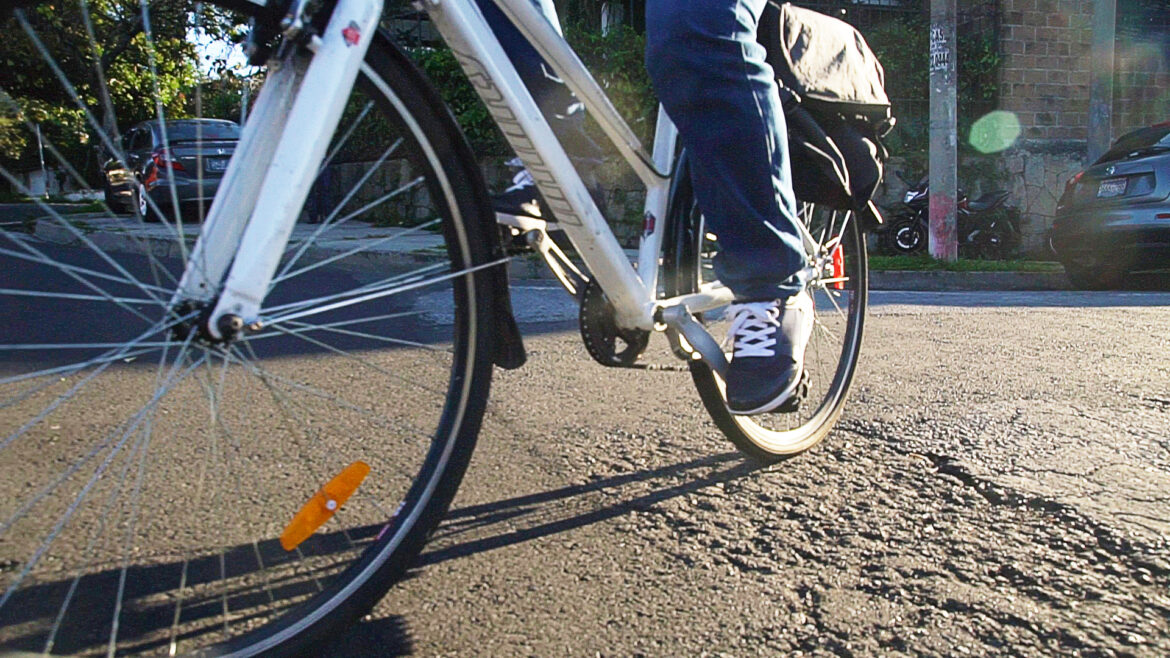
x: 535, y: 233
x: 702, y: 345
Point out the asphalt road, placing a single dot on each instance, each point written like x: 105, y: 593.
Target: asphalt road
x: 998, y: 484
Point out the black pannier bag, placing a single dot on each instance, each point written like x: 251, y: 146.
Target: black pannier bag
x: 833, y: 90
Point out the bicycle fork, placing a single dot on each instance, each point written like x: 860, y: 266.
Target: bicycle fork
x: 251, y: 218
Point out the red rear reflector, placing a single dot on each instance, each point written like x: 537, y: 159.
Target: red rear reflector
x: 163, y: 159
x: 838, y: 257
x: 1163, y: 215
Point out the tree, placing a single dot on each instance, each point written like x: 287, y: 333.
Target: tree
x: 132, y: 59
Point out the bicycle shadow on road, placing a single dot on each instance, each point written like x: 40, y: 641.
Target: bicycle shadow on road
x: 490, y: 526
x: 207, y: 584
x: 500, y: 524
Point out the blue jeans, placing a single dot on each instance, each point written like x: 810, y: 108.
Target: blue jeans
x: 711, y: 77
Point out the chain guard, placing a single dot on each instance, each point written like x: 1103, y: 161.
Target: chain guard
x: 608, y: 344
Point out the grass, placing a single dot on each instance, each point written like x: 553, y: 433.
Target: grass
x: 928, y: 264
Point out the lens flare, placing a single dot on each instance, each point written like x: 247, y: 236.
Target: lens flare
x: 995, y: 131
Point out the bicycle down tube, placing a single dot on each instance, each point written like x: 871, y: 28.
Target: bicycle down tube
x: 466, y: 32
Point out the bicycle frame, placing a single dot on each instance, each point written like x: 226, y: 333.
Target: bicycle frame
x: 633, y: 292
x: 250, y: 221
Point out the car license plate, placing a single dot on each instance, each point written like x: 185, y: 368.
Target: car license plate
x: 1111, y: 188
x: 216, y: 164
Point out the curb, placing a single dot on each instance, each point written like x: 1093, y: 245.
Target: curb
x: 531, y: 268
x: 963, y: 281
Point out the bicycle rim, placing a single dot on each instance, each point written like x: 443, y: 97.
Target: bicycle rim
x: 150, y: 476
x: 839, y: 292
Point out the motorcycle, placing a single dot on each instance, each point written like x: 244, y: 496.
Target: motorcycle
x: 984, y: 230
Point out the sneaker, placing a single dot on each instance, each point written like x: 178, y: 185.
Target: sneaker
x: 767, y: 365
x: 521, y: 199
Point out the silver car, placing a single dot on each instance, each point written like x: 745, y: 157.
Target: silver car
x: 1114, y: 217
x: 192, y: 155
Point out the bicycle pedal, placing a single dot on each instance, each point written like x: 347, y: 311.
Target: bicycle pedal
x: 792, y: 404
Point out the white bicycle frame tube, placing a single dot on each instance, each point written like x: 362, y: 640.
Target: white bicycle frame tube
x: 297, y: 110
x: 303, y: 139
x: 496, y: 81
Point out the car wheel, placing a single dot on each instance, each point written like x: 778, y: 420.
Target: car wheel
x: 143, y: 200
x: 1093, y: 278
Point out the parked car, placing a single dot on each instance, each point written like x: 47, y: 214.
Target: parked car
x: 1114, y: 217
x: 194, y: 154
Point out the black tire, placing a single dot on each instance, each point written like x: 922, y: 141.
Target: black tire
x: 143, y: 208
x: 774, y: 436
x: 1094, y: 278
x: 906, y: 235
x: 267, y: 423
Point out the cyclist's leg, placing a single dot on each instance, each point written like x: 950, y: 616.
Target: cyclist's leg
x: 711, y: 77
x: 565, y: 114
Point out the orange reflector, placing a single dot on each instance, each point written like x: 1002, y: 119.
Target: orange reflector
x: 323, y: 505
x: 838, y: 266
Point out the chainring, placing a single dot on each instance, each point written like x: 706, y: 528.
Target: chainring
x: 608, y: 344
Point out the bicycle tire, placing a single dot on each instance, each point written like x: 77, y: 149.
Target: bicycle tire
x: 408, y: 380
x: 775, y: 436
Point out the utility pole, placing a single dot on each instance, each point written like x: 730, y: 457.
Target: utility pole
x: 1101, y: 77
x: 943, y: 131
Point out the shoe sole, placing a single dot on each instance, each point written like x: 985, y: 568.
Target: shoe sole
x: 785, y: 396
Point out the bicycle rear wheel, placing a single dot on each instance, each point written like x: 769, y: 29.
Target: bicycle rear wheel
x: 839, y: 290
x: 147, y: 475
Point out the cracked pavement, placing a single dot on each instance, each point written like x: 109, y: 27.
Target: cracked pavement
x: 997, y: 486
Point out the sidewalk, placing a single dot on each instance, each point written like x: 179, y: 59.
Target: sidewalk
x: 387, y: 249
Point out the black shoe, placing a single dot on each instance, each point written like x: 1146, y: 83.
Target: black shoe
x: 767, y: 365
x: 519, y: 200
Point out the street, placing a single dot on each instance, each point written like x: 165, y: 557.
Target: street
x: 998, y: 484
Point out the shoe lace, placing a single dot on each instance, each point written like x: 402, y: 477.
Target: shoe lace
x: 753, y: 328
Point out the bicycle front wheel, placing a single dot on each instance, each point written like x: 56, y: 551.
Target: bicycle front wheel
x: 839, y: 290
x: 164, y: 494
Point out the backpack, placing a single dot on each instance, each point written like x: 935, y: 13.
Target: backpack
x: 832, y: 88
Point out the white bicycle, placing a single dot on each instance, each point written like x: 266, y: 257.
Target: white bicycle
x: 235, y: 446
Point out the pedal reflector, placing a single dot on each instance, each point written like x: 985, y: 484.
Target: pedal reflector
x: 323, y: 505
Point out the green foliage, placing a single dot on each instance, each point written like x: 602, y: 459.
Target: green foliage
x: 926, y: 263
x: 616, y: 60
x: 443, y: 70
x: 135, y: 72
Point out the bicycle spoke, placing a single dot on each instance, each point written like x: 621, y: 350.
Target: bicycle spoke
x: 268, y: 378
x: 304, y: 328
x: 328, y: 221
x: 382, y: 293
x: 78, y: 234
x: 369, y: 246
x: 38, y: 259
x: 88, y: 298
x: 409, y: 277
x: 76, y: 503
x: 344, y: 139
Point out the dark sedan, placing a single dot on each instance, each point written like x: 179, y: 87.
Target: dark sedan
x: 190, y: 153
x: 1114, y: 217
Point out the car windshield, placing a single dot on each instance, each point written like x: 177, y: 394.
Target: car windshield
x: 190, y: 131
x: 1138, y: 140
